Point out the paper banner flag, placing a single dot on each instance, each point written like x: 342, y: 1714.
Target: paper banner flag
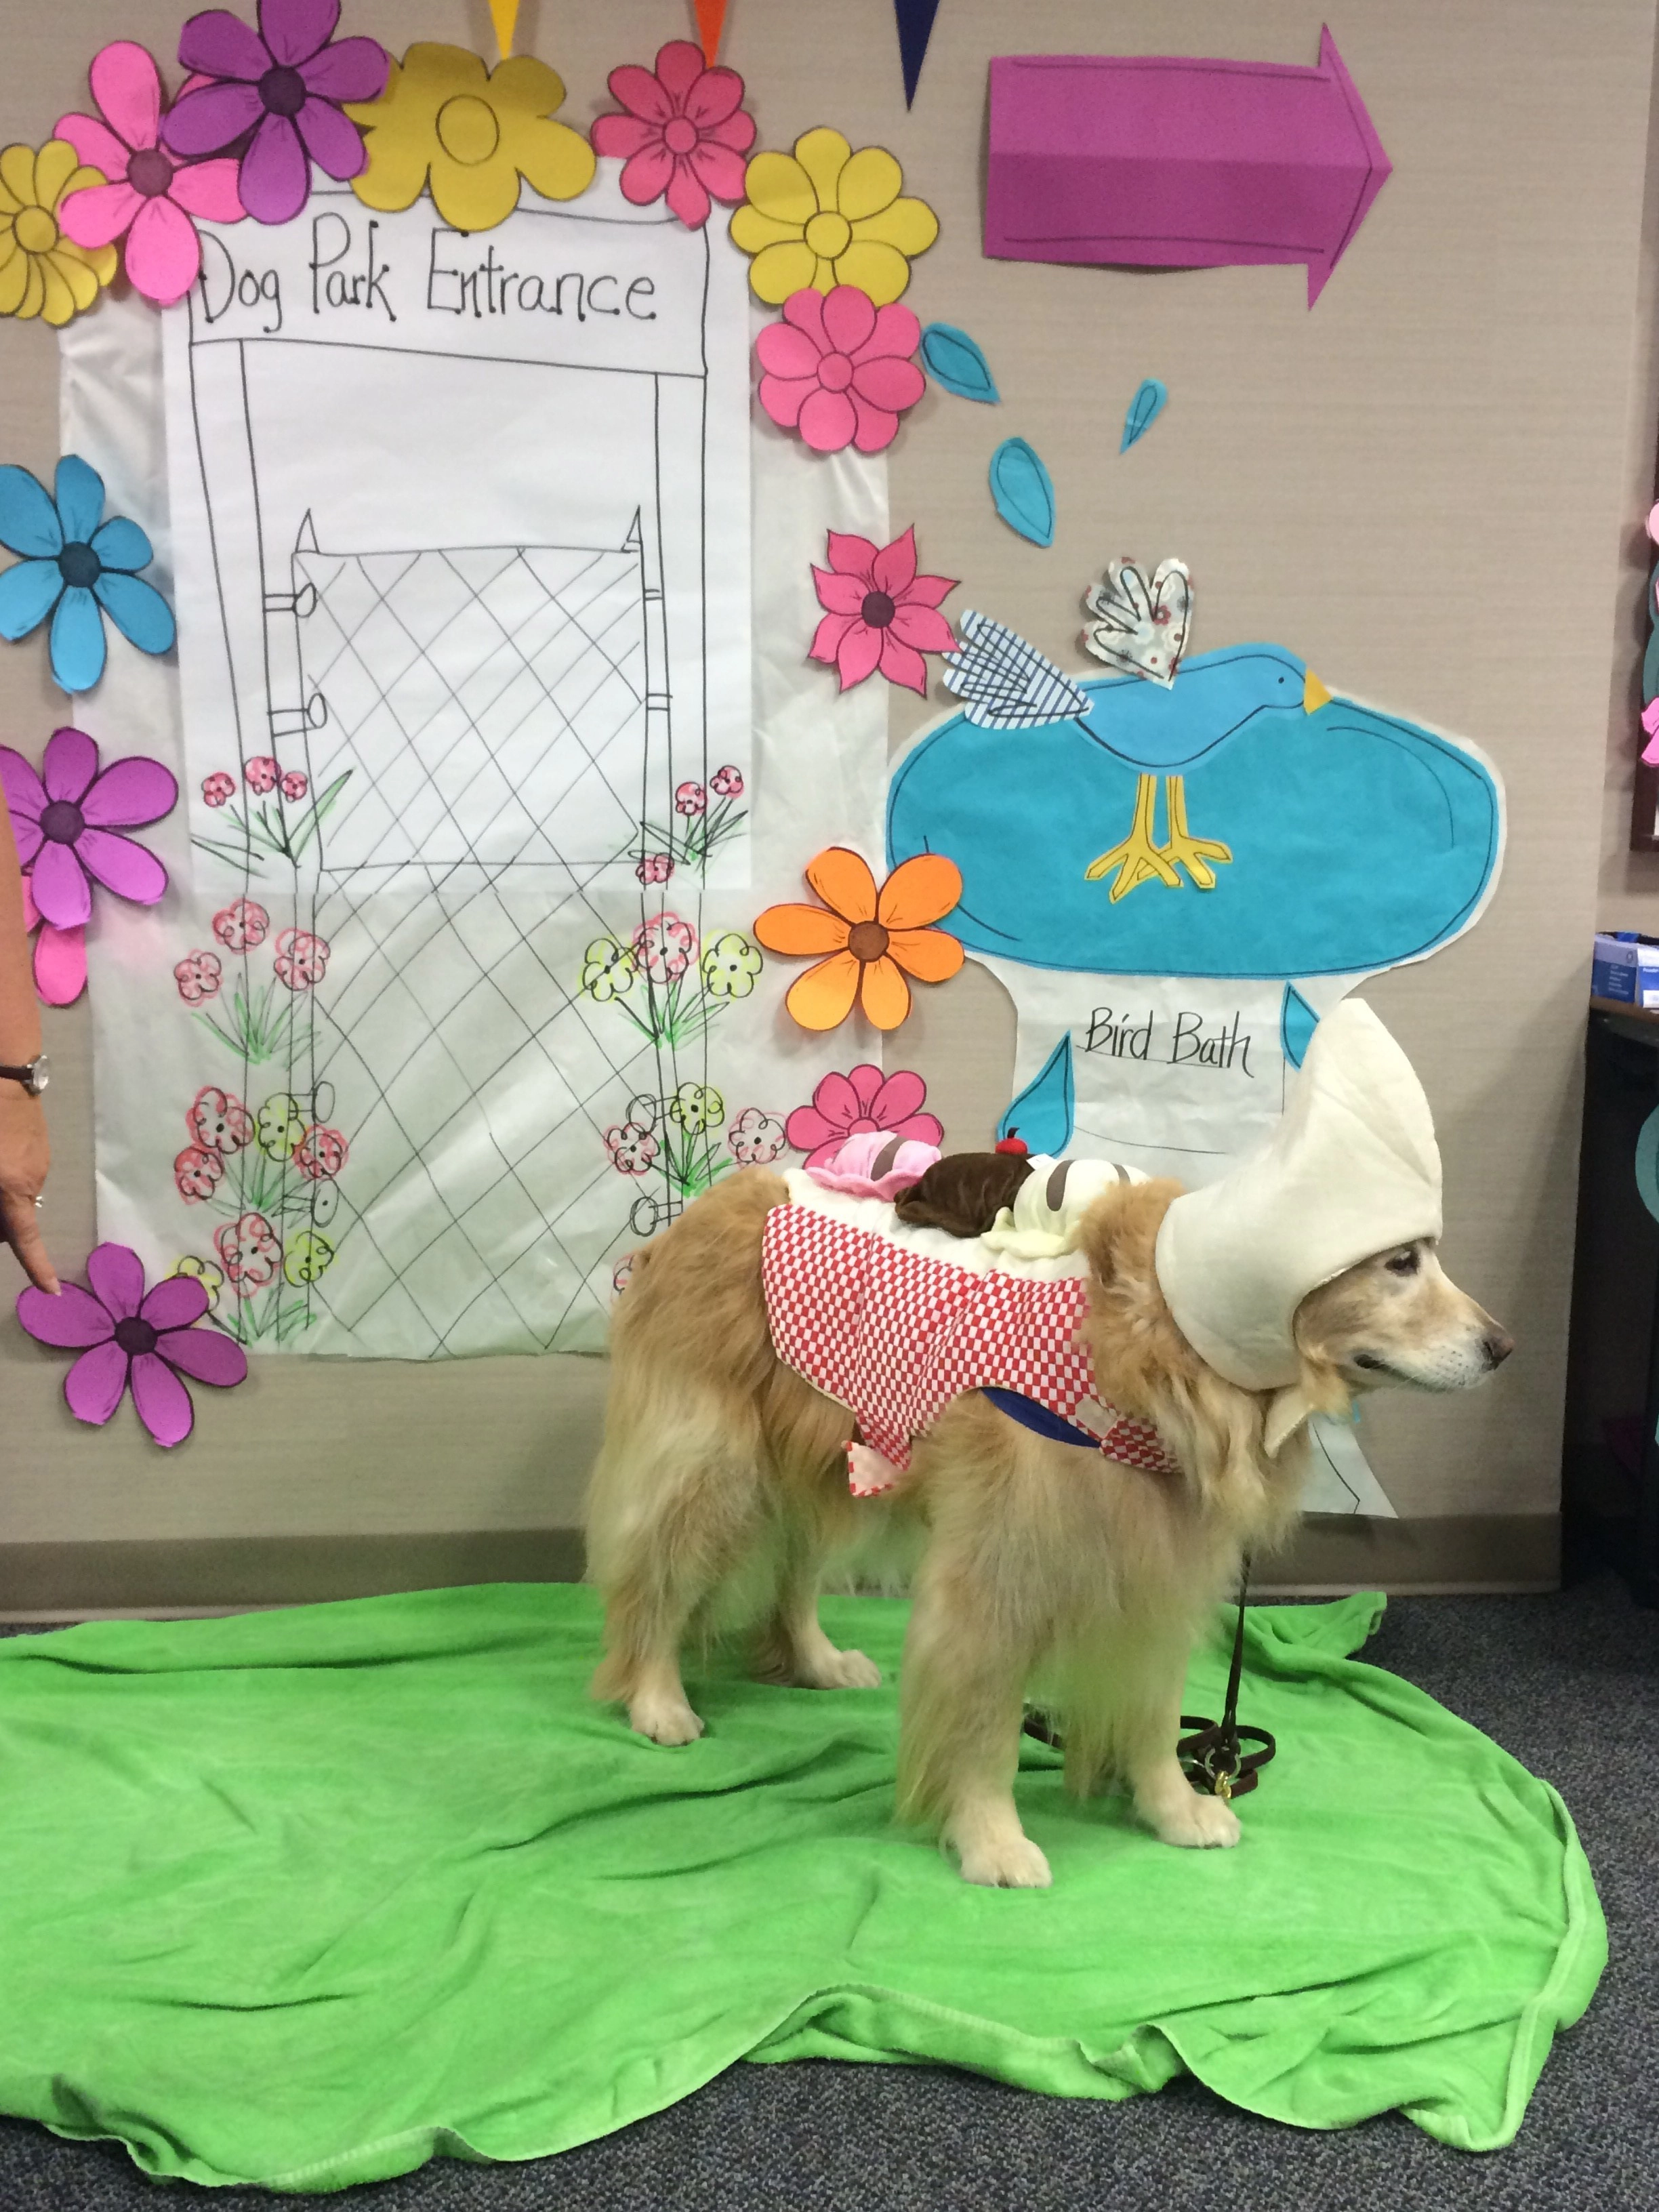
x: 711, y: 21
x: 915, y: 27
x: 1145, y: 409
x: 504, y: 14
x: 952, y: 359
x: 1024, y: 491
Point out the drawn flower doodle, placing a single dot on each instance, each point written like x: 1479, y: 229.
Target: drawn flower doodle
x: 199, y: 976
x: 696, y: 1107
x: 78, y: 568
x: 689, y: 799
x: 218, y: 1122
x: 608, y: 969
x: 295, y: 786
x: 862, y: 1103
x: 218, y: 787
x: 301, y: 958
x: 664, y: 947
x: 42, y: 270
x: 839, y: 370
x: 251, y: 1251
x: 149, y: 198
x: 655, y: 868
x: 309, y: 1255
x: 211, y: 1278
x: 873, y: 939
x: 285, y: 85
x: 726, y: 783
x: 632, y: 1148
x: 241, y: 925
x: 321, y: 1153
x: 730, y: 965
x: 824, y: 217
x: 622, y: 1274
x: 261, y: 773
x: 756, y: 1138
x: 879, y: 613
x: 197, y: 1172
x: 469, y: 135
x: 126, y: 1336
x: 281, y: 1128
x: 684, y: 136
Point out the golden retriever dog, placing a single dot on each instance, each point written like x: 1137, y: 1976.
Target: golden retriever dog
x: 1046, y: 1568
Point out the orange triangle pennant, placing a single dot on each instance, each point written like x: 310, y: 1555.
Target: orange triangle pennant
x: 711, y: 20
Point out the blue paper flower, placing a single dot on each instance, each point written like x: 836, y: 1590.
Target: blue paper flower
x: 75, y: 567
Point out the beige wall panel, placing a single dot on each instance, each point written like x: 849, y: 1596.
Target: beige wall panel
x: 1429, y: 486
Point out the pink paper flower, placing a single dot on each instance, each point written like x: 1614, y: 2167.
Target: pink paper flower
x: 881, y: 614
x: 301, y: 958
x: 125, y: 1336
x: 665, y: 946
x: 251, y: 1253
x: 241, y: 925
x: 689, y: 799
x: 840, y: 370
x: 755, y: 1137
x: 262, y: 773
x: 60, y: 955
x: 218, y: 1122
x: 284, y: 88
x: 632, y: 1148
x: 294, y: 785
x: 67, y: 820
x: 150, y: 197
x: 726, y: 783
x: 655, y: 868
x: 861, y: 1100
x: 684, y: 136
x: 199, y: 976
x: 320, y: 1152
x: 217, y: 788
x: 196, y: 1171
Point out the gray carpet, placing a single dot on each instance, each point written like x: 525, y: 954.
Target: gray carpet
x: 1569, y: 1684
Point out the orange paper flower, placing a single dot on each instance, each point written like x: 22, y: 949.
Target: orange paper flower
x: 873, y: 939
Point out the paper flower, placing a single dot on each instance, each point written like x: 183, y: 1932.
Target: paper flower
x: 75, y: 569
x: 839, y: 370
x: 125, y: 1336
x: 825, y: 216
x: 469, y: 135
x: 42, y: 271
x: 60, y: 956
x: 683, y: 136
x: 862, y: 1103
x: 149, y: 198
x: 286, y: 86
x: 756, y: 1138
x: 873, y: 939
x: 881, y: 614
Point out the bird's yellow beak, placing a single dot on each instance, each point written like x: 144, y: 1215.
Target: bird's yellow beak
x: 1313, y: 694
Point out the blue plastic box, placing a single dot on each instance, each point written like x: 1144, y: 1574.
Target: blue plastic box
x: 1625, y: 967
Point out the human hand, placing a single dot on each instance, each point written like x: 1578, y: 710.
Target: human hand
x: 25, y: 1157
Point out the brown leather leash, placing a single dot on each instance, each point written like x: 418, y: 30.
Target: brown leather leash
x: 1212, y: 1758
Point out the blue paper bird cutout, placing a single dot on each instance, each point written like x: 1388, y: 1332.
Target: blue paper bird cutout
x: 1356, y: 840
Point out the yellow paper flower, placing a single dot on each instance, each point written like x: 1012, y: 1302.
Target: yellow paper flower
x: 441, y: 118
x: 42, y: 272
x: 824, y: 215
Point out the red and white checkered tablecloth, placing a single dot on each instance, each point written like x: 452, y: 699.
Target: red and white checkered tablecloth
x: 893, y: 1335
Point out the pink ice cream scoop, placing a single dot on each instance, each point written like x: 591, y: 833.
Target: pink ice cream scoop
x: 875, y: 1165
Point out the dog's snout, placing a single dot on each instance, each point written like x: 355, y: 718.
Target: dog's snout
x: 1497, y: 1347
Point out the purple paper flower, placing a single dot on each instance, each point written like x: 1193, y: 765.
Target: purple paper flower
x: 67, y: 820
x: 124, y: 1336
x: 284, y: 86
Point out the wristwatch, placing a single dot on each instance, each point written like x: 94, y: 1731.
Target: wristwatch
x: 32, y: 1075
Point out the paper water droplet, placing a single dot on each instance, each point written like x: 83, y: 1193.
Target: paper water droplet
x: 1024, y: 491
x: 1296, y: 1023
x: 1145, y: 409
x: 1044, y: 1111
x: 952, y: 359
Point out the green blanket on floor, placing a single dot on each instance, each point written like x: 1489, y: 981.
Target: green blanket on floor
x: 307, y: 1898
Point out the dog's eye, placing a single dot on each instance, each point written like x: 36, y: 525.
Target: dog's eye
x: 1404, y: 1263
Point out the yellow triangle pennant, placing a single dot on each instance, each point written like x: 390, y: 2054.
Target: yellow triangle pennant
x: 504, y: 14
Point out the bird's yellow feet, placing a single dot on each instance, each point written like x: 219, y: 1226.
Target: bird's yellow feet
x: 1138, y: 859
x: 1192, y: 854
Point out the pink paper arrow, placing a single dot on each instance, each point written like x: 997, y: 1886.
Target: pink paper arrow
x: 1169, y: 162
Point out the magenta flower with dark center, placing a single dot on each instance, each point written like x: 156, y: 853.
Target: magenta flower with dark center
x: 282, y: 90
x: 68, y: 819
x: 125, y: 1336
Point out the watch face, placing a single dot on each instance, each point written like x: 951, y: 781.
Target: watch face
x: 40, y: 1076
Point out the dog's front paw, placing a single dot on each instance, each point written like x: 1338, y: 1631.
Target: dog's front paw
x: 1201, y: 1824
x: 853, y: 1671
x: 1013, y: 1863
x: 664, y: 1720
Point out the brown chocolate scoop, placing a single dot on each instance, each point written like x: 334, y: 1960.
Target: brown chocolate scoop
x: 964, y: 1193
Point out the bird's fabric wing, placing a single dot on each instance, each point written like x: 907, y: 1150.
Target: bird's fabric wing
x: 1004, y: 682
x: 1138, y: 628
